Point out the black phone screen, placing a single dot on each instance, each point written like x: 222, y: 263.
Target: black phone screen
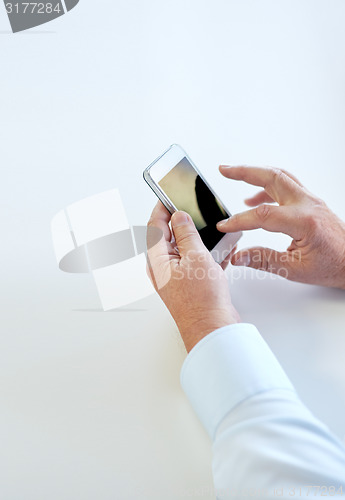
x: 188, y: 192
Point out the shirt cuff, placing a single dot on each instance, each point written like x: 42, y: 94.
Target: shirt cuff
x: 226, y: 367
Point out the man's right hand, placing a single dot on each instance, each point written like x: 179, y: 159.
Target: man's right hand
x: 317, y: 252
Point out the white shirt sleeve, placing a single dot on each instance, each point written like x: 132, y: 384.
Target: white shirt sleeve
x: 266, y: 443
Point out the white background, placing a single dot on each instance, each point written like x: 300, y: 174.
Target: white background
x: 90, y: 402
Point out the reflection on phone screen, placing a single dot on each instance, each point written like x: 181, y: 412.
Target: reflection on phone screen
x: 188, y: 192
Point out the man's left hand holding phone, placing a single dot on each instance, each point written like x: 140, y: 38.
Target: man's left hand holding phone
x: 182, y: 268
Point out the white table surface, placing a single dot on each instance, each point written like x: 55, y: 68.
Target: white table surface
x: 90, y: 402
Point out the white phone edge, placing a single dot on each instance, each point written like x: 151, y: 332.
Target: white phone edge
x: 227, y: 242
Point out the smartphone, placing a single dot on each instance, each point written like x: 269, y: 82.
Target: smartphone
x: 179, y: 185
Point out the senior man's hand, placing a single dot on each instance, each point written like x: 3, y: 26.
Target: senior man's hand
x: 191, y: 284
x: 317, y: 252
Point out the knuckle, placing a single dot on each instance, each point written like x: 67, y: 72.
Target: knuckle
x: 312, y: 222
x: 263, y: 212
x: 186, y: 238
x: 264, y: 261
x: 318, y: 202
x: 291, y: 176
x: 277, y: 174
x: 261, y: 260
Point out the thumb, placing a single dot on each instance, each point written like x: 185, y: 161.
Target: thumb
x: 186, y: 235
x: 264, y: 259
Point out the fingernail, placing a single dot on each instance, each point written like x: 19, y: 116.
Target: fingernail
x: 180, y: 219
x: 222, y: 223
x: 224, y: 166
x: 243, y: 260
